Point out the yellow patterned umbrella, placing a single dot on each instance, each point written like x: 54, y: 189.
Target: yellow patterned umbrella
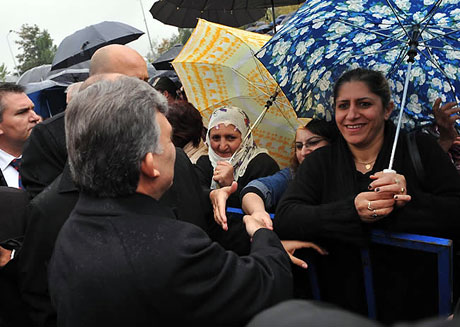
x: 217, y: 67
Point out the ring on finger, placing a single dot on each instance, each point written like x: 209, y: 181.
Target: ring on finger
x: 402, y: 190
x: 374, y: 214
x: 369, y: 207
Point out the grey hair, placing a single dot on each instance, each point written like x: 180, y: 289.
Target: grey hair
x: 110, y: 127
x: 6, y: 88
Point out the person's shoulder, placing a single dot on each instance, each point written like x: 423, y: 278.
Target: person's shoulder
x: 262, y: 158
x: 203, y: 161
x: 53, y: 121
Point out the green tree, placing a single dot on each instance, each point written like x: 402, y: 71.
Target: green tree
x: 165, y: 44
x: 37, y: 47
x: 3, y: 72
x: 184, y: 34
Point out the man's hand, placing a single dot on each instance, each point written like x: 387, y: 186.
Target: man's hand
x: 445, y: 117
x: 5, y: 256
x: 291, y: 246
x: 253, y: 224
x: 219, y: 200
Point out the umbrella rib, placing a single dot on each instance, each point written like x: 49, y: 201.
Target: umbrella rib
x: 257, y: 63
x: 244, y: 97
x: 397, y: 17
x: 378, y: 51
x: 437, y: 36
x: 276, y: 90
x: 433, y: 60
x: 441, y: 48
x: 283, y: 114
x: 430, y: 15
x: 370, y: 31
x: 398, y: 62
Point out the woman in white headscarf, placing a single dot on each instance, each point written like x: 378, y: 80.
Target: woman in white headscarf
x: 232, y: 153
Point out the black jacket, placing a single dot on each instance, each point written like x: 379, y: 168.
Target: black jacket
x: 44, y: 154
x: 49, y: 210
x: 319, y: 206
x: 125, y: 262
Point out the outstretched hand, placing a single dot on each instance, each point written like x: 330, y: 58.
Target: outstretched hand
x: 445, y: 117
x: 291, y: 246
x: 219, y: 201
x: 5, y: 256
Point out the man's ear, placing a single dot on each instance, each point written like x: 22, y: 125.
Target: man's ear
x: 389, y: 110
x: 148, y: 167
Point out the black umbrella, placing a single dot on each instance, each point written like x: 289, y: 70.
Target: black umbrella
x: 236, y: 13
x: 82, y: 44
x: 35, y: 74
x: 163, y: 62
x: 185, y: 13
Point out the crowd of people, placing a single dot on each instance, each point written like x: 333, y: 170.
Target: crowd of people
x: 114, y: 211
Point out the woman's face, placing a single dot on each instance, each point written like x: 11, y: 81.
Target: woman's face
x: 360, y: 115
x: 224, y: 140
x: 306, y: 142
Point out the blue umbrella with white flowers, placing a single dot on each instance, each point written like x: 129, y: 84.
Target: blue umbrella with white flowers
x: 416, y: 44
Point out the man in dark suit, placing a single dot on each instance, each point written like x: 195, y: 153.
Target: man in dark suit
x: 17, y: 118
x: 44, y: 162
x: 121, y: 258
x: 45, y: 153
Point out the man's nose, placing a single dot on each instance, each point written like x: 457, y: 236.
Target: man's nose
x: 33, y: 116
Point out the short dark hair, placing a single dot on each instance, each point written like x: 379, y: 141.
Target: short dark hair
x: 323, y: 128
x: 375, y: 81
x: 110, y: 127
x: 320, y: 127
x: 186, y: 122
x: 165, y: 84
x: 5, y: 88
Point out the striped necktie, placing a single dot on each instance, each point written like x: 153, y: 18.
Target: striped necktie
x: 15, y: 163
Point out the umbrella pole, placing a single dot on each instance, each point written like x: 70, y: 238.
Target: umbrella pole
x: 273, y: 17
x: 258, y: 120
x: 398, y: 127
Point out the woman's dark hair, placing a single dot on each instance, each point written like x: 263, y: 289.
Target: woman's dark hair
x: 375, y: 81
x: 165, y: 84
x: 320, y: 127
x: 186, y: 122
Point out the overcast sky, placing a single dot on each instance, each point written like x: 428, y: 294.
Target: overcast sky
x: 63, y: 17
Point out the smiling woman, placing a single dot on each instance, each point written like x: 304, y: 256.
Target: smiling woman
x: 232, y: 155
x: 341, y: 191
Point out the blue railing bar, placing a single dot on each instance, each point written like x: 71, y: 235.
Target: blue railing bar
x: 314, y: 281
x: 238, y: 210
x: 368, y: 284
x: 413, y: 237
x: 445, y: 286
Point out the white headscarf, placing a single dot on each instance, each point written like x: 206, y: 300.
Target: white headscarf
x: 248, y: 149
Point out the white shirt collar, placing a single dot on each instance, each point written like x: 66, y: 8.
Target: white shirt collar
x: 5, y: 159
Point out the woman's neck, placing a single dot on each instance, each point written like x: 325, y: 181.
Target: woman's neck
x: 366, y: 156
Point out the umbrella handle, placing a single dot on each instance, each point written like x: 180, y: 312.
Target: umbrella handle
x: 389, y: 171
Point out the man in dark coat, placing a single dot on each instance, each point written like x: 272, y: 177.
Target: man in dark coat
x: 121, y: 258
x: 45, y: 159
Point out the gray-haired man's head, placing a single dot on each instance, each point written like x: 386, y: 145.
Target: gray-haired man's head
x: 110, y: 127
